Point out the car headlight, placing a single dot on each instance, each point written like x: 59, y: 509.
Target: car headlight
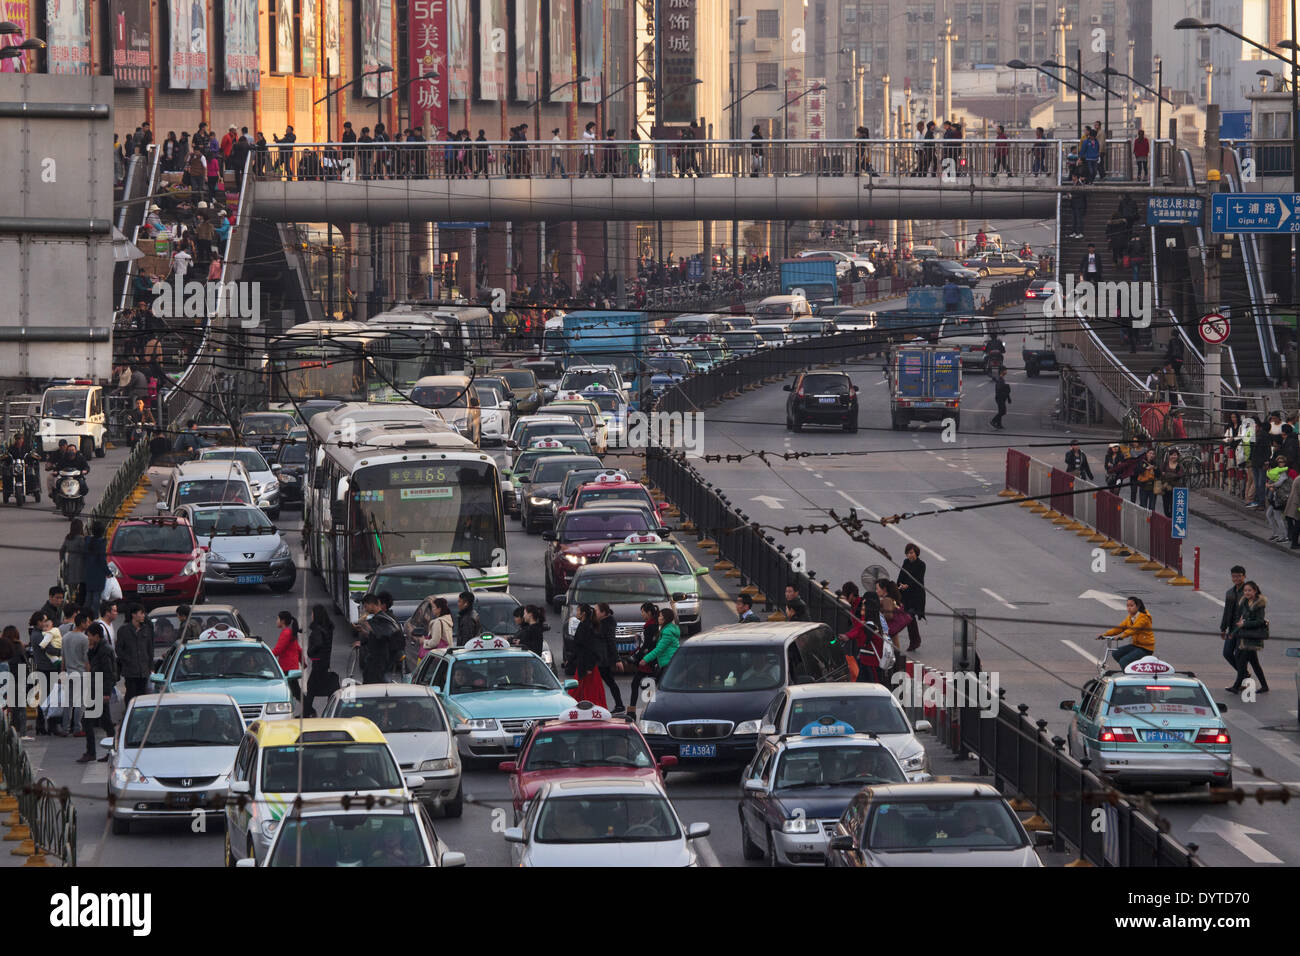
x: 269, y: 827
x: 443, y: 764
x: 279, y: 707
x: 798, y: 825
x: 575, y: 559
x: 748, y: 726
x: 538, y: 502
x: 482, y: 723
x: 191, y: 568
x: 270, y: 487
x: 652, y: 727
x: 125, y: 775
x: 282, y: 551
x: 915, y: 762
x: 114, y: 570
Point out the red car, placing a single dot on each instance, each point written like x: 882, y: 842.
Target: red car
x: 579, y: 743
x: 580, y: 536
x: 157, y: 561
x: 606, y: 490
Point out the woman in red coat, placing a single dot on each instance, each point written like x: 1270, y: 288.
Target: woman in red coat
x: 288, y: 650
x: 588, y: 654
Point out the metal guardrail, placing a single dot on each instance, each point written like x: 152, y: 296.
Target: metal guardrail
x: 44, y: 810
x: 1016, y: 751
x: 122, y: 483
x: 1005, y: 293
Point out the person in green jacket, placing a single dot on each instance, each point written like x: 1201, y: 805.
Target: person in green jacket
x: 1279, y: 487
x: 653, y: 664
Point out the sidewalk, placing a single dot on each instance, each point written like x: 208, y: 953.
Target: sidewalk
x: 1228, y: 511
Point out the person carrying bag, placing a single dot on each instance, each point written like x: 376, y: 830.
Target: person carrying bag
x: 1251, y: 631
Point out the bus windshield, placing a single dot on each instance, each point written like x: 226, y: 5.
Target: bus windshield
x: 420, y: 511
x: 319, y: 372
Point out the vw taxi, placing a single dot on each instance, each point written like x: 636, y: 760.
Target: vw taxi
x: 581, y: 741
x: 609, y: 489
x: 1150, y: 724
x: 798, y: 785
x: 514, y: 478
x: 493, y: 693
x: 678, y: 574
x: 613, y: 409
x: 222, y: 660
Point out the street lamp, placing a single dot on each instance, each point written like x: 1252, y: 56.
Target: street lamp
x: 18, y: 49
x: 1160, y: 85
x: 1078, y: 102
x: 399, y: 88
x: 765, y: 88
x: 1191, y: 23
x: 737, y: 81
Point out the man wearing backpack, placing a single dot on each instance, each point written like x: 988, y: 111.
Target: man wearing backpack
x: 382, y: 642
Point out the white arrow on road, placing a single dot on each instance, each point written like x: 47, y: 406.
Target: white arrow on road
x: 1113, y: 601
x: 941, y: 503
x: 1237, y: 836
x: 769, y: 502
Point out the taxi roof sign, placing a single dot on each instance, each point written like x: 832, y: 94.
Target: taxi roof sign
x: 642, y: 539
x: 1149, y: 666
x: 611, y: 477
x: 487, y: 642
x: 546, y: 443
x: 223, y: 632
x: 826, y: 727
x: 585, y: 710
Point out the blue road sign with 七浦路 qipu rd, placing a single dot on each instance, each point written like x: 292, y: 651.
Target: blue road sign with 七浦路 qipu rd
x: 1255, y: 212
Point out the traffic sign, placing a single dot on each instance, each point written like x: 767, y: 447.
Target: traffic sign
x: 1179, y: 520
x: 1214, y: 328
x: 1255, y: 212
x: 1175, y: 210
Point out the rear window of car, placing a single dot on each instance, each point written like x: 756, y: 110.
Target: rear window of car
x: 826, y: 385
x: 1157, y: 698
x: 152, y: 539
x: 518, y: 378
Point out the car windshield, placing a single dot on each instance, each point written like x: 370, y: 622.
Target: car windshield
x: 329, y: 767
x: 496, y: 617
x: 528, y: 460
x: 688, y: 326
x: 253, y: 661
x: 251, y: 460
x: 738, y: 322
x: 576, y: 381
x: 775, y: 308
x: 670, y: 364
x: 583, y: 418
x: 1153, y: 698
x: 576, y: 478
x: 940, y: 825
x: 591, y: 496
x: 837, y: 766
x: 827, y: 385
x: 167, y: 627
x: 518, y: 378
x: 490, y: 394
x: 293, y: 453
x: 806, y: 325
x: 707, y: 667
x: 64, y: 403
x: 440, y: 396
x: 740, y: 338
x: 588, y: 526
x: 205, y: 490
x: 556, y: 467
x: 152, y: 539
x: 418, y: 585
x: 184, y: 725
x: 350, y: 839
x: 220, y: 521
x: 598, y: 747
x: 866, y: 715
x: 395, y: 715
x: 606, y: 403
x: 474, y: 675
x: 956, y: 325
x: 667, y: 560
x: 606, y: 818
x: 598, y: 588
x: 534, y: 430
x: 266, y: 424
x: 698, y: 356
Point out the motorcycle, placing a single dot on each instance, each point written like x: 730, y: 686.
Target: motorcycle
x: 70, y: 491
x: 994, y: 363
x: 22, y: 478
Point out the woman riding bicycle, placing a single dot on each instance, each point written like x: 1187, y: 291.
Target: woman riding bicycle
x: 1136, y: 627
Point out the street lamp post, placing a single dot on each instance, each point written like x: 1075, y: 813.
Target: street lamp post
x: 948, y: 37
x: 934, y: 86
x: 735, y: 222
x: 737, y: 81
x: 1160, y: 90
x: 884, y: 79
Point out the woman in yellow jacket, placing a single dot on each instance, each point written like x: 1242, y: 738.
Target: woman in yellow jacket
x: 1136, y: 627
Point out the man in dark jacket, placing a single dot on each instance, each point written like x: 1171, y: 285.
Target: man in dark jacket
x: 134, y: 653
x: 609, y: 644
x: 468, y: 625
x: 53, y: 608
x: 1090, y: 265
x: 1076, y: 462
x: 239, y: 154
x: 1259, y: 459
x: 1231, y: 600
x: 1001, y: 395
x: 103, y: 675
x: 381, y: 639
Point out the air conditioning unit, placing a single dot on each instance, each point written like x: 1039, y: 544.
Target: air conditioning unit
x: 1022, y: 28
x: 764, y: 45
x: 1095, y: 19
x: 843, y: 105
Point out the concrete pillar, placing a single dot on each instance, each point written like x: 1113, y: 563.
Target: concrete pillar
x: 363, y: 265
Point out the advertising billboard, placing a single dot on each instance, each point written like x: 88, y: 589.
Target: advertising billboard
x: 591, y: 52
x: 492, y: 49
x: 376, y: 45
x: 240, y: 70
x: 130, y: 24
x: 528, y: 50
x: 428, y: 35
x: 561, y: 53
x: 68, y: 37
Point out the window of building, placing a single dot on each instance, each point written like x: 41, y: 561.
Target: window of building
x: 991, y: 51
x: 991, y: 14
x: 849, y: 14
x: 882, y: 56
x: 1022, y: 14
x: 1022, y: 50
x: 1203, y: 48
x: 927, y: 13
x: 977, y: 14
x: 927, y: 51
x: 959, y: 53
x: 864, y: 54
x: 767, y: 24
x: 911, y: 52
x: 1108, y: 13
x: 765, y: 73
x: 959, y: 13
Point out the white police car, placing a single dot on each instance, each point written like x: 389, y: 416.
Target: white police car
x: 798, y: 785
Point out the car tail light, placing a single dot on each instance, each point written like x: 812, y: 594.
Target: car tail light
x: 977, y: 348
x: 1212, y: 735
x: 1118, y: 735
x: 1029, y: 293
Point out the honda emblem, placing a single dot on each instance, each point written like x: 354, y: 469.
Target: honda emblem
x: 187, y: 782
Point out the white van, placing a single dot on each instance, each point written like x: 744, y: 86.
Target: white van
x: 75, y: 413
x: 455, y: 399
x: 223, y: 481
x: 782, y: 307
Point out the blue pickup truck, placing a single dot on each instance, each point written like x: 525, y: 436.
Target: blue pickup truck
x: 924, y: 384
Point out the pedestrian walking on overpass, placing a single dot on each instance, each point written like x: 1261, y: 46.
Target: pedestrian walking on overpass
x: 587, y: 164
x: 1001, y: 395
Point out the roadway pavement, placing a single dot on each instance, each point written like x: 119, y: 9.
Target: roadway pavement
x: 1039, y: 597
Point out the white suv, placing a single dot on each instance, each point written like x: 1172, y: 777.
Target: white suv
x: 208, y: 483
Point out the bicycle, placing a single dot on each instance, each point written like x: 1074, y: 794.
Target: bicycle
x: 1112, y: 645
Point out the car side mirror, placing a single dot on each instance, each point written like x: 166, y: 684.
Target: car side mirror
x: 293, y: 674
x: 855, y: 388
x: 766, y: 730
x: 1223, y: 708
x: 1043, y: 837
x: 787, y: 388
x: 277, y: 466
x: 1067, y: 705
x: 667, y: 762
x: 570, y: 684
x: 247, y: 862
x: 508, y: 766
x: 698, y: 831
x: 548, y: 535
x: 514, y: 835
x: 701, y: 571
x: 413, y: 781
x: 453, y: 858
x: 754, y: 786
x: 842, y: 842
x: 923, y: 726
x: 157, y: 679
x: 461, y: 730
x: 107, y: 742
x: 239, y: 787
x: 163, y: 508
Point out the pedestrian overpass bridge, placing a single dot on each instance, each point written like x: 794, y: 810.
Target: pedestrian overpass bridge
x: 638, y: 180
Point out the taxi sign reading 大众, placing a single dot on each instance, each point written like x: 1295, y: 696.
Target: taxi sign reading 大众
x: 487, y: 643
x: 1149, y: 666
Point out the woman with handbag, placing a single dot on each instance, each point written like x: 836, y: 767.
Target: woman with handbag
x: 1171, y: 475
x: 911, y: 582
x: 321, y: 681
x: 1146, y: 481
x: 1251, y: 631
x: 288, y: 649
x: 441, y: 628
x: 588, y: 653
x: 668, y: 637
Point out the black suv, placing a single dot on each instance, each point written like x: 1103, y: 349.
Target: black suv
x: 822, y: 398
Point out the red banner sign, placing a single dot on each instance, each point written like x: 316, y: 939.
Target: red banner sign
x: 428, y: 33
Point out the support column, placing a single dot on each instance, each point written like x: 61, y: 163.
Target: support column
x: 364, y: 265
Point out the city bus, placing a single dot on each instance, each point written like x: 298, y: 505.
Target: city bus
x: 405, y: 495
x: 467, y: 329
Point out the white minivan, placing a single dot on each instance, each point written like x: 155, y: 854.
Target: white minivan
x: 75, y: 413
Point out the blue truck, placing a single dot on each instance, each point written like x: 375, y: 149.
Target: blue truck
x: 815, y: 276
x: 620, y: 339
x: 924, y: 384
x: 924, y: 313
